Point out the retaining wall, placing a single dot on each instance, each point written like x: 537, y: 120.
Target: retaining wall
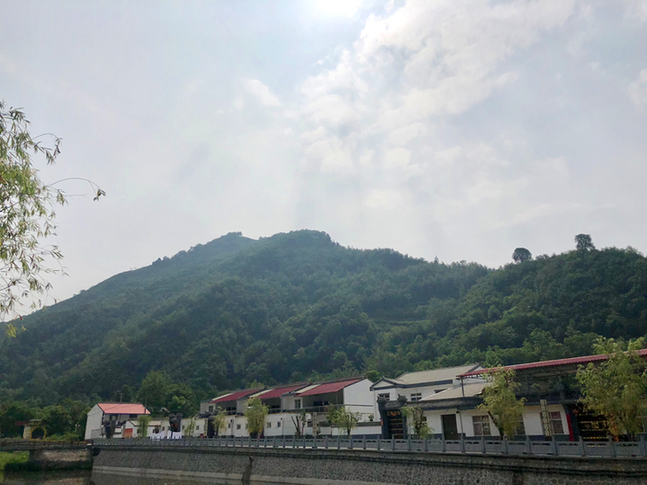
x: 358, y: 467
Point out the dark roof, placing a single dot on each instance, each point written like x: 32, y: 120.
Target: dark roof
x: 551, y: 363
x: 279, y: 391
x: 235, y: 396
x: 328, y: 387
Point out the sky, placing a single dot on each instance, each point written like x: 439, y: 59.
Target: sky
x: 457, y: 129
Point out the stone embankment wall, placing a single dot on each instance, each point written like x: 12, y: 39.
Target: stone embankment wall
x: 331, y: 467
x: 55, y: 459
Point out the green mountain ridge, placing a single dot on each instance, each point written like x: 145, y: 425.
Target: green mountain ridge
x: 298, y: 305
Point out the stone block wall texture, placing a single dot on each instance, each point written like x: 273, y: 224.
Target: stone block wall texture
x: 61, y: 456
x: 329, y: 467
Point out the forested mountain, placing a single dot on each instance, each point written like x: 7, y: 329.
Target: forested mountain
x: 297, y: 306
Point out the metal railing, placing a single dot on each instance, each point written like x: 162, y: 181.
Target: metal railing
x: 486, y: 446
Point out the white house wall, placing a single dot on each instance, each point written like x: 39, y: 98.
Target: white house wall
x: 93, y: 423
x: 465, y: 424
x: 358, y: 398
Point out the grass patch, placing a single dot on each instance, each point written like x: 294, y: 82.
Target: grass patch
x: 16, y: 457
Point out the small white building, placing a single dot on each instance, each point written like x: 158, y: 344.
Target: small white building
x: 104, y: 418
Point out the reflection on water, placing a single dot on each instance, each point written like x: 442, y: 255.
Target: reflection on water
x: 46, y: 478
x: 85, y: 478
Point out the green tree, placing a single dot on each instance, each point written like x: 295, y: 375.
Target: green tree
x: 343, y: 418
x: 416, y: 419
x: 521, y: 255
x: 190, y: 427
x: 125, y: 394
x: 500, y: 400
x: 219, y: 421
x: 27, y: 213
x: 255, y: 413
x: 154, y: 391
x: 299, y: 420
x: 617, y: 387
x: 583, y: 242
x: 142, y: 425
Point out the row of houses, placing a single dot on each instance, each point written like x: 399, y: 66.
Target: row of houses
x: 449, y: 399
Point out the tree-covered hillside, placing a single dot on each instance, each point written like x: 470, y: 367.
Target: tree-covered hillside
x: 298, y: 306
x: 225, y: 314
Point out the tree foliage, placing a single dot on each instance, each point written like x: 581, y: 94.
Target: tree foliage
x: 521, y: 255
x: 343, y: 418
x: 583, y: 242
x: 617, y: 387
x: 142, y: 425
x: 26, y: 212
x: 219, y: 421
x: 256, y: 412
x: 416, y: 419
x: 500, y: 401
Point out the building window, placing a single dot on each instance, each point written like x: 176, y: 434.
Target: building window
x: 278, y: 424
x: 555, y: 422
x: 309, y: 424
x: 132, y: 416
x: 238, y: 426
x: 229, y: 425
x: 211, y: 409
x: 163, y: 428
x: 269, y: 424
x: 182, y: 427
x: 297, y: 404
x: 416, y: 396
x: 197, y: 428
x: 386, y: 396
x: 481, y: 425
x: 521, y: 427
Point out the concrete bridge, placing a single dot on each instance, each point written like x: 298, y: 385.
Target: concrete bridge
x: 51, y: 455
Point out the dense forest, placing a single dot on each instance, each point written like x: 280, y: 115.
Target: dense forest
x: 299, y: 306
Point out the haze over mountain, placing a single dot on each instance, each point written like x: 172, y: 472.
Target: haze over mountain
x: 298, y: 305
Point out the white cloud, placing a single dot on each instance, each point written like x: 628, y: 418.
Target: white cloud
x: 383, y: 200
x: 637, y: 90
x: 332, y: 155
x: 261, y: 92
x: 398, y: 158
x: 637, y: 9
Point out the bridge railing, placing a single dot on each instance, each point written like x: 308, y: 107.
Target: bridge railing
x: 608, y: 449
x: 29, y: 445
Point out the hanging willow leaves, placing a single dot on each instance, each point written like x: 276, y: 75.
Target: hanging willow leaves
x: 27, y: 214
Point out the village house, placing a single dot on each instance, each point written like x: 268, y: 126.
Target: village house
x: 289, y: 404
x: 390, y: 394
x: 552, y: 409
x: 104, y: 419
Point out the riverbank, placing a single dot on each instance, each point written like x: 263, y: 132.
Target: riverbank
x: 360, y: 467
x: 46, y: 460
x: 12, y: 458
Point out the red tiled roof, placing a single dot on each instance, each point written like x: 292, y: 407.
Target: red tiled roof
x: 279, y: 391
x: 235, y: 396
x: 551, y: 363
x: 122, y: 408
x: 328, y: 387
